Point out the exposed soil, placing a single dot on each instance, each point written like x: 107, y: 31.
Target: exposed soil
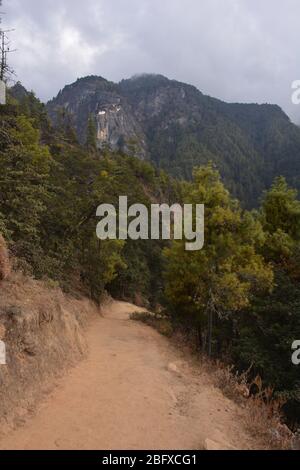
x: 133, y: 391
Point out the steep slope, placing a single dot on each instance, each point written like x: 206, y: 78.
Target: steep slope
x: 114, y: 118
x: 43, y: 330
x: 177, y: 127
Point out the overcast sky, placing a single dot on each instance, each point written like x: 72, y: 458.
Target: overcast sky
x: 236, y: 50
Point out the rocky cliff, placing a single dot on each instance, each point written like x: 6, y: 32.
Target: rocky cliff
x: 177, y: 127
x: 116, y: 125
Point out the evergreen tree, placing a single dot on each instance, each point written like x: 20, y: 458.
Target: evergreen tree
x: 24, y: 167
x: 266, y: 332
x: 91, y: 134
x: 219, y: 280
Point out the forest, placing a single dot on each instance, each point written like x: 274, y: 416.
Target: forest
x: 240, y: 295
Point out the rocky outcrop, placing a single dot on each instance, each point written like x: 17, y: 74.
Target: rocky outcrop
x: 117, y: 128
x: 116, y: 125
x: 178, y: 128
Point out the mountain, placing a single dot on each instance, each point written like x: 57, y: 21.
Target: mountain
x: 177, y: 127
x: 18, y: 91
x: 116, y: 123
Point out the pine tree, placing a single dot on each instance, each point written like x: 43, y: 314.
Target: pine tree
x: 91, y: 137
x: 264, y: 334
x: 219, y: 280
x: 24, y: 168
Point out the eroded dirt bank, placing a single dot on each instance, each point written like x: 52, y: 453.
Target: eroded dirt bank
x: 43, y: 330
x: 128, y: 394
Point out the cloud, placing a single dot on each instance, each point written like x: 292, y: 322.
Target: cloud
x: 238, y: 50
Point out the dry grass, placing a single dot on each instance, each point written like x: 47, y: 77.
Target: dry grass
x: 263, y: 416
x: 43, y: 332
x: 261, y: 412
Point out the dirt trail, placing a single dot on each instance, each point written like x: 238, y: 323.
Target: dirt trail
x: 123, y: 396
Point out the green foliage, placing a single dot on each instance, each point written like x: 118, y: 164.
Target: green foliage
x: 91, y: 134
x: 24, y: 185
x: 241, y: 292
x: 160, y: 323
x: 267, y: 331
x: 100, y: 264
x: 281, y: 219
x: 219, y: 280
x: 250, y: 144
x: 49, y: 197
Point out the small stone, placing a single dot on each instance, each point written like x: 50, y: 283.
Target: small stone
x: 173, y: 368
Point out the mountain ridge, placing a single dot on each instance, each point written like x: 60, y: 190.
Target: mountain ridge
x: 177, y: 127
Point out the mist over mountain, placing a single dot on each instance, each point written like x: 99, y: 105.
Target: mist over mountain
x: 177, y: 127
